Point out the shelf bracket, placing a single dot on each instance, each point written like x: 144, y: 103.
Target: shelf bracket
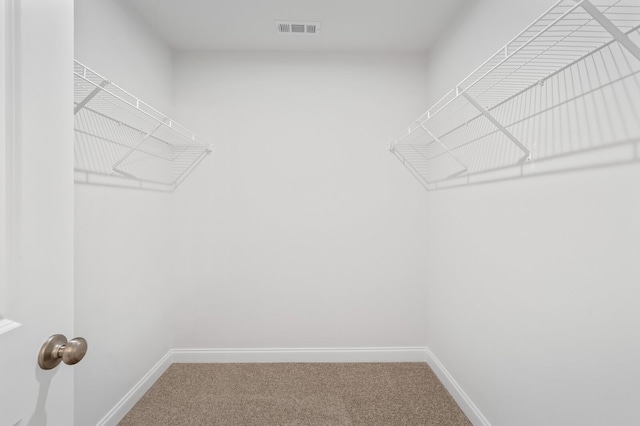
x: 435, y: 138
x: 134, y: 149
x: 496, y: 123
x: 423, y: 181
x: 90, y: 96
x: 621, y: 37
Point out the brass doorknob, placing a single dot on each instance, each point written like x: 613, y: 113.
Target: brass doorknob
x: 56, y: 349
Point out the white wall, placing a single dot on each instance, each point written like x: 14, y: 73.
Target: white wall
x: 122, y: 236
x: 301, y: 230
x: 533, y: 284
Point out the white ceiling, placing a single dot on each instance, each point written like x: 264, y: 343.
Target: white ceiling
x: 347, y: 25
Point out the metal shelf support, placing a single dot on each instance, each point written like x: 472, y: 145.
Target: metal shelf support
x: 90, y: 96
x: 435, y: 138
x: 621, y: 37
x: 500, y: 127
x: 134, y: 149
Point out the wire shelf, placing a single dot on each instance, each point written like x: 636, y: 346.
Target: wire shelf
x: 122, y: 141
x: 569, y: 83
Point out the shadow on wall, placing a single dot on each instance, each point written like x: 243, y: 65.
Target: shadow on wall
x: 562, y: 96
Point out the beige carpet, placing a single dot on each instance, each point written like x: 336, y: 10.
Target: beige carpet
x: 386, y: 394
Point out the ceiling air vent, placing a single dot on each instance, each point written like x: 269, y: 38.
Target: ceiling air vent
x: 298, y: 28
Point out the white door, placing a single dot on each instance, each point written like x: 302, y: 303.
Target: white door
x: 36, y: 211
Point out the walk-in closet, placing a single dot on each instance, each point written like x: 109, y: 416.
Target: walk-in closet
x: 295, y: 212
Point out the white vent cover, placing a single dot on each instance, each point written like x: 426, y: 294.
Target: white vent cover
x: 307, y: 28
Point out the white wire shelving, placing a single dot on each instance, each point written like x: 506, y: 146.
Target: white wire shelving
x: 568, y: 83
x: 122, y: 141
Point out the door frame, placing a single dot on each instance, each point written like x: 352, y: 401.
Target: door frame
x: 7, y: 162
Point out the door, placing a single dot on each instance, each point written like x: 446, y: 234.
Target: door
x: 36, y: 216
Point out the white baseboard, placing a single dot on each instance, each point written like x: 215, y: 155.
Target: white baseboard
x: 263, y: 355
x: 466, y: 405
x: 391, y: 354
x: 133, y: 396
